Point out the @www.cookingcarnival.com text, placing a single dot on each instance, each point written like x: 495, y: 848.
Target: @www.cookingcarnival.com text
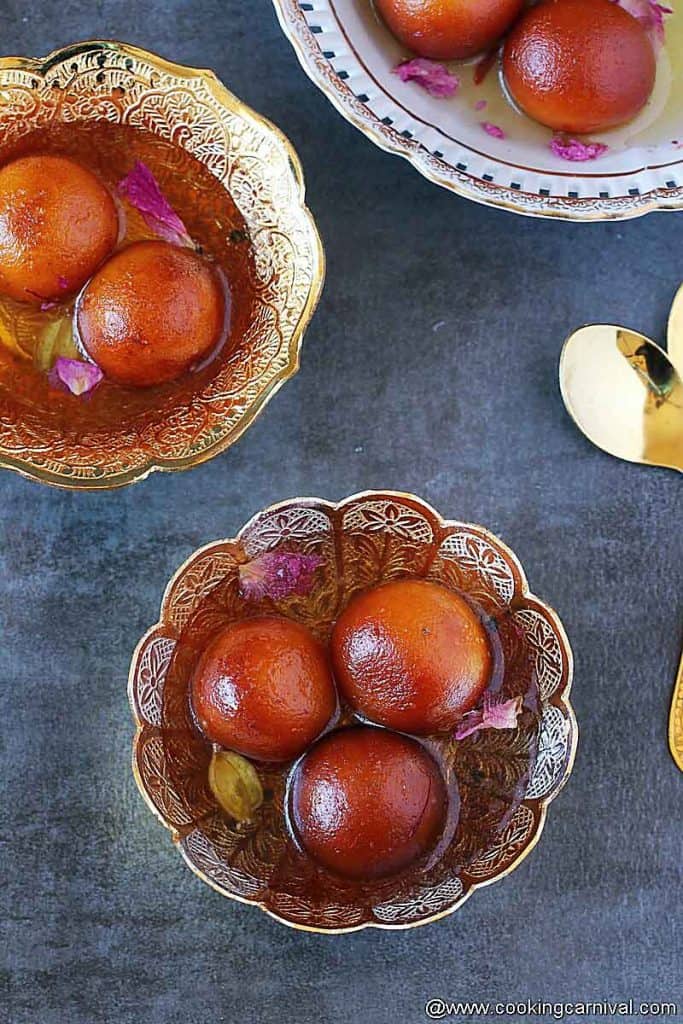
x: 442, y: 1009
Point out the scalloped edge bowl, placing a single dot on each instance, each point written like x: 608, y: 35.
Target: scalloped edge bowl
x: 490, y: 565
x: 264, y: 176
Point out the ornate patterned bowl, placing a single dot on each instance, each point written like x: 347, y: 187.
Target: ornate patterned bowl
x: 111, y: 81
x: 506, y: 779
x: 349, y: 54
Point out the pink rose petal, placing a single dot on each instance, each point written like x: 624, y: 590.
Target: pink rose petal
x: 481, y: 105
x: 142, y: 191
x: 493, y: 130
x: 575, y: 150
x: 76, y: 376
x: 432, y: 76
x: 494, y: 713
x: 277, y: 574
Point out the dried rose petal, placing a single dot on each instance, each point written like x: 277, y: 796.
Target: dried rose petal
x: 651, y: 16
x: 277, y: 574
x: 494, y: 713
x: 76, y: 376
x: 574, y: 149
x: 493, y: 130
x: 432, y: 76
x: 142, y: 191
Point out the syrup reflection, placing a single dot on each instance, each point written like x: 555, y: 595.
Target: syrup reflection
x: 624, y: 394
x: 662, y: 410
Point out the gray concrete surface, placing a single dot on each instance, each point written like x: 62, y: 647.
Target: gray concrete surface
x: 101, y: 922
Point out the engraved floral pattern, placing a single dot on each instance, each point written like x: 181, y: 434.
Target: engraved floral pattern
x: 158, y: 786
x: 552, y: 753
x: 509, y: 846
x: 124, y: 85
x: 303, y: 527
x: 471, y: 562
x: 545, y: 644
x: 154, y: 662
x: 429, y: 902
x: 363, y: 538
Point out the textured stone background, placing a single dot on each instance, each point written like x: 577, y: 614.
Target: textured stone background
x: 102, y: 923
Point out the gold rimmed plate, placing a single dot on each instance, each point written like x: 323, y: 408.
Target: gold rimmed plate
x: 506, y: 779
x: 350, y: 55
x: 102, y: 81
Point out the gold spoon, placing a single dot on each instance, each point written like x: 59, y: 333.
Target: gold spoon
x: 674, y: 341
x: 676, y: 720
x: 625, y: 394
x: 675, y: 349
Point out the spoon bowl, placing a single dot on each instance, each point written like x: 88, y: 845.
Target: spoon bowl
x: 674, y: 341
x: 624, y: 393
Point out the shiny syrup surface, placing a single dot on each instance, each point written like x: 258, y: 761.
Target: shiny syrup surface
x: 485, y: 776
x: 212, y: 220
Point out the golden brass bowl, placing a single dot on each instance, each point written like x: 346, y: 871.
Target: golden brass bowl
x: 95, y: 81
x: 506, y: 778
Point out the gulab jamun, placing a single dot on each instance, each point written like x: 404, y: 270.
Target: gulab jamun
x: 579, y: 65
x: 366, y: 802
x: 58, y: 223
x: 448, y: 31
x: 263, y: 688
x: 411, y: 655
x: 151, y: 313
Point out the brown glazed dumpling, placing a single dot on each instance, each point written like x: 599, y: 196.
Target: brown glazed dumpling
x: 579, y: 65
x: 263, y: 687
x: 448, y: 30
x: 153, y: 312
x: 58, y: 223
x: 367, y: 802
x: 411, y: 655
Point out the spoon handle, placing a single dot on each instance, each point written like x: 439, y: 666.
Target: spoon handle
x: 676, y: 720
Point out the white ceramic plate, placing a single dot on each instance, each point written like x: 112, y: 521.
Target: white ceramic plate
x: 350, y: 55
